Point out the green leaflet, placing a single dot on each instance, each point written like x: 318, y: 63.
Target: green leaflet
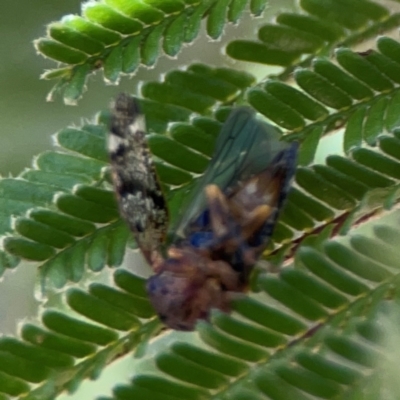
x: 119, y: 36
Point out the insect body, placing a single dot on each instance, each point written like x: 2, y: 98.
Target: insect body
x: 227, y: 223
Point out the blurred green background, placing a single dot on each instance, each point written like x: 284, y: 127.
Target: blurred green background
x: 27, y: 119
x: 27, y: 122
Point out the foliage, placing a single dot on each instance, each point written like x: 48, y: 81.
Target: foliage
x: 307, y: 331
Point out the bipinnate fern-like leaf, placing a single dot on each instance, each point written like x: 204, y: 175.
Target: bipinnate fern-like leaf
x: 67, y: 346
x: 305, y: 332
x: 76, y: 180
x: 297, y: 318
x: 295, y: 336
x: 81, y: 229
x: 321, y: 27
x: 119, y: 36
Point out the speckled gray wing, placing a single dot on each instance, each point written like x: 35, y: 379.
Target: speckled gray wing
x: 141, y: 200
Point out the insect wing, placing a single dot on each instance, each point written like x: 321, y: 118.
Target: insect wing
x: 139, y: 193
x: 244, y: 148
x: 275, y: 187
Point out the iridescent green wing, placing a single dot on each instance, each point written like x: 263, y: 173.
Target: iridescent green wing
x: 245, y: 147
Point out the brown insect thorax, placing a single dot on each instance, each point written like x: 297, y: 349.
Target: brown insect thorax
x: 189, y: 284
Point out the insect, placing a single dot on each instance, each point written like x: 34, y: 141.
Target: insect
x: 228, y: 220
